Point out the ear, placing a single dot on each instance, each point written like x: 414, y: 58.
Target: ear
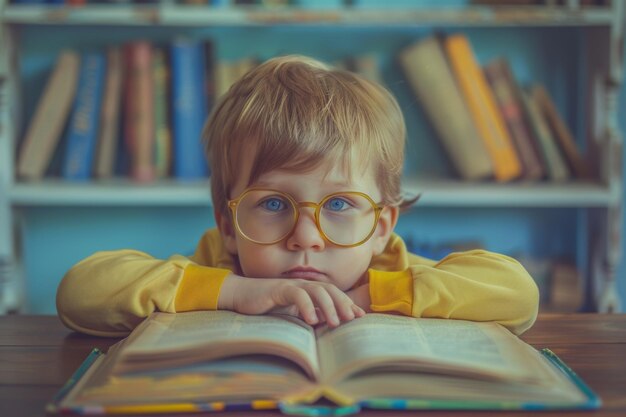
x: 386, y: 224
x: 227, y: 231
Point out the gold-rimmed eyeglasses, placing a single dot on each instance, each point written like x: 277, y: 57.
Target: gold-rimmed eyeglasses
x: 267, y: 216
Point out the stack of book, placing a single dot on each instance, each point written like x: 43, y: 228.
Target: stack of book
x: 137, y: 109
x: 489, y: 125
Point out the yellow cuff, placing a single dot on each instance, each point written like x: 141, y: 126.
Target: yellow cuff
x: 200, y: 288
x: 391, y: 291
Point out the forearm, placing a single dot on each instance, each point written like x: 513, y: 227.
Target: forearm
x: 226, y: 296
x: 109, y: 293
x: 475, y: 285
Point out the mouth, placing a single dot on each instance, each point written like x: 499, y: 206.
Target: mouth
x: 305, y: 272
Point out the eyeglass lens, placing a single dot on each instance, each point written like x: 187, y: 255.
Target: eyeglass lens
x: 266, y: 216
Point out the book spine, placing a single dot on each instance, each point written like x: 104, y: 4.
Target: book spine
x: 561, y: 132
x: 512, y: 115
x: 50, y: 117
x: 163, y: 136
x: 483, y: 108
x: 368, y: 67
x: 189, y: 109
x: 209, y: 74
x: 140, y: 111
x: 525, y: 117
x: 109, y: 118
x: 83, y: 130
x: 435, y: 87
x: 555, y: 165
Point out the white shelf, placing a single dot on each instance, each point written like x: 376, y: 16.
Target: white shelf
x: 81, y: 15
x: 143, y: 15
x: 468, y: 16
x: 435, y: 193
x: 447, y: 193
x: 111, y: 193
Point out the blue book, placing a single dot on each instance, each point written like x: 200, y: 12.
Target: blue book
x: 82, y: 133
x: 189, y: 108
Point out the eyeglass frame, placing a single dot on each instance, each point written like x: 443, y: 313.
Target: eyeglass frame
x: 234, y: 203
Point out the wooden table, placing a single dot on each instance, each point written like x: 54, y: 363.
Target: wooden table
x: 38, y: 354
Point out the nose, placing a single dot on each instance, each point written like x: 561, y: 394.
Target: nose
x: 305, y: 234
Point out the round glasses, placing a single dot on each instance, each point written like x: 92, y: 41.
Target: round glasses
x: 268, y: 216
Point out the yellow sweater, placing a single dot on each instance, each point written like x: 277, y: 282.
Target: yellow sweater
x: 109, y: 293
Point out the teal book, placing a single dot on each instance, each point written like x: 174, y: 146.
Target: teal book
x: 221, y: 361
x: 82, y: 133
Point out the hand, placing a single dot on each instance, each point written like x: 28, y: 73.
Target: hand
x: 361, y: 297
x: 260, y: 295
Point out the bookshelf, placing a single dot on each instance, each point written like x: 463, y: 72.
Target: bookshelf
x: 601, y: 27
x: 255, y: 15
x: 112, y: 193
x: 436, y: 193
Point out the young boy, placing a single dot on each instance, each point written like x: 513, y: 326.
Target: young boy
x: 306, y: 164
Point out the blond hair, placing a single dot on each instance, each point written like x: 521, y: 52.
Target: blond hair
x: 295, y: 112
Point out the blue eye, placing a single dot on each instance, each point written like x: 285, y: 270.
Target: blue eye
x: 273, y: 204
x: 336, y: 204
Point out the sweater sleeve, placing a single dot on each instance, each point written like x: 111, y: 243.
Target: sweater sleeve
x: 110, y: 293
x: 475, y: 285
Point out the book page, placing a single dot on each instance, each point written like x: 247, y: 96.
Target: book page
x: 435, y: 345
x: 210, y: 335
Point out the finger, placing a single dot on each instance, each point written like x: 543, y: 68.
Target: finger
x: 343, y: 303
x: 303, y: 302
x: 324, y: 302
x: 320, y: 316
x: 358, y: 311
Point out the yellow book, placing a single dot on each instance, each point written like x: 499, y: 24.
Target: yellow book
x: 483, y: 108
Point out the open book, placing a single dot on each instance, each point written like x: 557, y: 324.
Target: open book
x: 218, y: 360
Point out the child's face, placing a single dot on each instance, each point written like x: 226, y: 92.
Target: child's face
x: 304, y: 253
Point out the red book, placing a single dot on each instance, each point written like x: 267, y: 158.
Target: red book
x: 139, y: 110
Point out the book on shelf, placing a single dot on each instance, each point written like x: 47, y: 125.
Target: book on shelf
x: 221, y: 360
x: 139, y: 128
x: 506, y: 93
x: 228, y: 72
x: 223, y: 77
x: 210, y: 55
x: 556, y: 169
x: 82, y: 133
x: 189, y: 108
x: 566, y: 293
x: 429, y: 75
x: 50, y: 117
x: 483, y: 108
x: 110, y: 115
x: 366, y: 65
x: 564, y: 138
x: 162, y: 131
x: 243, y: 66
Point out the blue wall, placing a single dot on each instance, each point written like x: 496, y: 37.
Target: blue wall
x: 56, y: 238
